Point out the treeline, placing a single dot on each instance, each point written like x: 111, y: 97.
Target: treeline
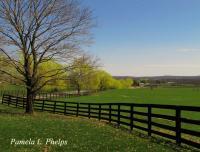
x: 82, y: 74
x: 85, y: 74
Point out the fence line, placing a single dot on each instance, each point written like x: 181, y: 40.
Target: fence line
x: 45, y: 95
x: 125, y: 114
x: 55, y: 95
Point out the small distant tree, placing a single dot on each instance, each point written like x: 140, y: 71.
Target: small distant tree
x: 104, y: 80
x: 41, y: 30
x: 83, y: 70
x: 126, y: 83
x: 144, y: 81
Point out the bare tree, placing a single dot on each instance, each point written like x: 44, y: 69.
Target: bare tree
x: 39, y: 31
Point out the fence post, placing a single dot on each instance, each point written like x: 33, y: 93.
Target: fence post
x: 110, y: 112
x: 54, y: 108
x: 65, y: 106
x: 131, y: 117
x: 178, y: 125
x: 89, y: 111
x: 23, y: 102
x: 9, y: 99
x: 16, y: 101
x: 77, y: 110
x: 149, y: 120
x: 99, y: 111
x: 2, y: 98
x: 43, y: 105
x: 118, y: 119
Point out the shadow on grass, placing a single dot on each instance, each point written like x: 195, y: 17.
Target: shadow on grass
x: 157, y: 140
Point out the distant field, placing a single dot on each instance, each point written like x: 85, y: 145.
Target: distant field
x: 173, y: 95
x: 8, y: 87
x: 11, y: 89
x: 161, y: 95
x: 82, y: 134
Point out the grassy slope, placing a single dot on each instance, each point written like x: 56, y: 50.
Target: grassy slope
x: 82, y: 134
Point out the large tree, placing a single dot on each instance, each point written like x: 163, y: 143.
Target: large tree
x: 39, y: 31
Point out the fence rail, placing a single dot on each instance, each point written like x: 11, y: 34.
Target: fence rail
x: 140, y: 116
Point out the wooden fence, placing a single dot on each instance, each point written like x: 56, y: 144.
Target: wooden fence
x: 56, y: 95
x: 46, y: 95
x: 126, y: 114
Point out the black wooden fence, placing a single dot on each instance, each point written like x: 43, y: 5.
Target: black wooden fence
x: 46, y: 95
x: 56, y: 95
x: 126, y: 114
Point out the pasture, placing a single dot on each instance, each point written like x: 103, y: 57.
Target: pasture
x: 81, y: 134
x: 187, y: 96
x: 184, y: 96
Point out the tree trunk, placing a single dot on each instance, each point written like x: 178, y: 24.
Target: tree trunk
x: 29, y: 101
x: 79, y: 90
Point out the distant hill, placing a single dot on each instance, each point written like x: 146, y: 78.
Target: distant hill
x: 165, y: 79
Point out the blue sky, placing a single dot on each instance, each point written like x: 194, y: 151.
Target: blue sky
x: 147, y: 37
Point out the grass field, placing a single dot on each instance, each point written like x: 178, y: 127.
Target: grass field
x: 8, y: 87
x: 175, y: 96
x: 81, y: 134
x: 162, y: 95
x: 187, y: 96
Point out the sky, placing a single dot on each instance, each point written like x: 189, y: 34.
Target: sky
x: 147, y: 37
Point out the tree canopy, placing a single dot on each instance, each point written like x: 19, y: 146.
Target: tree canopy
x: 41, y: 30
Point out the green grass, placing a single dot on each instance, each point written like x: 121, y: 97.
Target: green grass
x: 83, y: 135
x: 175, y: 96
x: 187, y: 96
x: 11, y: 89
x: 8, y: 87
